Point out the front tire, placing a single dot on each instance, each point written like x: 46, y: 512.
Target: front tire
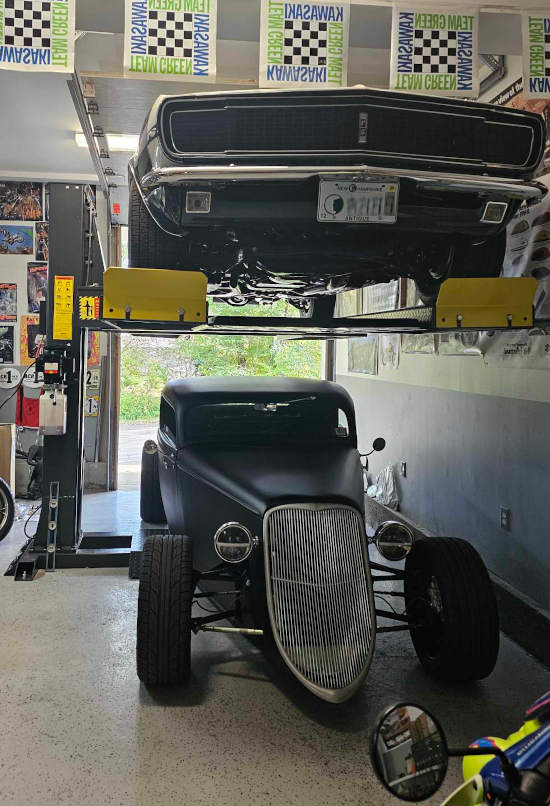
x: 7, y: 509
x: 449, y: 595
x: 148, y: 246
x: 164, y: 611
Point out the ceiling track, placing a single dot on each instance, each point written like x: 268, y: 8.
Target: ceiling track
x: 78, y: 100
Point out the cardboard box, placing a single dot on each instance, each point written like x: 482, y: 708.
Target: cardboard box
x: 7, y: 454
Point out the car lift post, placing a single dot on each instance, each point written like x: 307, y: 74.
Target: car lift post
x: 64, y: 454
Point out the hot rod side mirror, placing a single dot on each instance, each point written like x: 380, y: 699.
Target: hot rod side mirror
x: 379, y: 444
x: 409, y: 752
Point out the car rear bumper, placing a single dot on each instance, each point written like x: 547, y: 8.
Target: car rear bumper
x: 266, y: 195
x: 531, y: 192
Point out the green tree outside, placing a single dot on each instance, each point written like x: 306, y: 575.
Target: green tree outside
x: 148, y: 363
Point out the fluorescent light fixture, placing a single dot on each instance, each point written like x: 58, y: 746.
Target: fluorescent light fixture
x: 122, y: 142
x: 115, y: 142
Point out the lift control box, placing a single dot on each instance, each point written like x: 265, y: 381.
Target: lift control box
x: 51, y: 363
x: 52, y: 419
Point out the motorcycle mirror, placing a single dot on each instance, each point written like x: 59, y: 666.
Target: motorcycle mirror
x: 379, y: 444
x: 409, y: 752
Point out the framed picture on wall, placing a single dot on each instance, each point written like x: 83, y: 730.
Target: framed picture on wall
x: 8, y: 302
x: 363, y: 354
x: 6, y: 344
x: 29, y: 339
x: 21, y: 201
x: 16, y: 240
x: 37, y: 285
x: 41, y: 241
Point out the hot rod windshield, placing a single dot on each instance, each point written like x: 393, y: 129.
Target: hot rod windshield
x: 299, y: 421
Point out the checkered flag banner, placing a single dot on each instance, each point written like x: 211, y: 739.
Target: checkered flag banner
x: 37, y: 35
x: 435, y: 52
x: 170, y: 39
x: 536, y: 54
x: 304, y: 44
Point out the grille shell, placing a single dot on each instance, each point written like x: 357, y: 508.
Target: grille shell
x: 319, y: 595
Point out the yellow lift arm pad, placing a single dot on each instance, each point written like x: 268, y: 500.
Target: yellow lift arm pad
x: 155, y: 295
x: 485, y: 302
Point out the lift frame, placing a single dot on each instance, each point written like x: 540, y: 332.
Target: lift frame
x: 75, y: 256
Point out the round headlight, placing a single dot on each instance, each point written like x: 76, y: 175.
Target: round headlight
x: 233, y: 542
x: 393, y: 540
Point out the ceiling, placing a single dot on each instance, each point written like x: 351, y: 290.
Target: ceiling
x: 38, y: 134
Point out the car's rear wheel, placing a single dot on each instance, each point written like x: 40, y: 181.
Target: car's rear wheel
x: 468, y: 260
x: 320, y: 309
x: 164, y: 610
x: 7, y: 509
x: 451, y: 603
x: 151, y: 507
x: 148, y: 245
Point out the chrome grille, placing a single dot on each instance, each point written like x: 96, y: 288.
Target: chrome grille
x: 320, y: 595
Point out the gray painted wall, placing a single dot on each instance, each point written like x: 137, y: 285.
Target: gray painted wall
x: 467, y: 454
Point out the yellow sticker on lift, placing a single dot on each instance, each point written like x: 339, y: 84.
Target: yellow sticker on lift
x: 63, y: 308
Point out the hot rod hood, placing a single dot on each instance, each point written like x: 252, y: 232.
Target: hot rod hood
x: 260, y: 479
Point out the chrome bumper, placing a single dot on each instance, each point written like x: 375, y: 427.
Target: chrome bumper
x: 531, y: 192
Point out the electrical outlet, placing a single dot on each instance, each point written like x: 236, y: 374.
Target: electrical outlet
x: 403, y: 469
x: 505, y: 518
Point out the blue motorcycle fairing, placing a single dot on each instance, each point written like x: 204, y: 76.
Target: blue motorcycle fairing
x: 526, y: 754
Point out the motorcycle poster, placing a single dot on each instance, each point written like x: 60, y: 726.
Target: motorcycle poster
x: 41, y: 240
x: 6, y: 344
x: 21, y: 201
x: 37, y: 285
x: 8, y: 302
x: 16, y: 240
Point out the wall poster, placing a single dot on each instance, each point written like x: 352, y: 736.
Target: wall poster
x: 37, y: 35
x: 536, y: 54
x: 435, y: 51
x: 16, y: 240
x: 171, y: 39
x: 41, y: 241
x: 30, y: 339
x: 37, y: 285
x: 20, y: 201
x: 6, y: 344
x: 304, y: 44
x: 363, y: 354
x: 8, y: 302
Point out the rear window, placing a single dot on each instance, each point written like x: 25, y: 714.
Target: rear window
x: 271, y: 424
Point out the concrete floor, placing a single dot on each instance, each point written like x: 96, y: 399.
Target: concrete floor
x: 78, y: 727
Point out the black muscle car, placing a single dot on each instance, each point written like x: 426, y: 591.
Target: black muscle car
x: 301, y: 194
x: 261, y: 484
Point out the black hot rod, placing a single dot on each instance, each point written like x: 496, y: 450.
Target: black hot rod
x: 261, y: 484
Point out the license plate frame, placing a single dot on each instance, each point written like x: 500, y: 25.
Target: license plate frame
x: 352, y: 199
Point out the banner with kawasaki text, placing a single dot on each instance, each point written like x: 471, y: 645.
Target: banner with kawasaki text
x: 172, y: 39
x: 435, y: 52
x: 536, y: 54
x: 304, y: 44
x: 37, y: 35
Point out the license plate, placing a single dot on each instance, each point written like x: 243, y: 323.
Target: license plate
x: 352, y: 201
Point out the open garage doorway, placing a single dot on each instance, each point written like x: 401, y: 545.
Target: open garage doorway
x: 147, y: 363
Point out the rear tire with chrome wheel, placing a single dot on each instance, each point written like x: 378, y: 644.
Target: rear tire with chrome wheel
x: 7, y: 509
x: 452, y: 607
